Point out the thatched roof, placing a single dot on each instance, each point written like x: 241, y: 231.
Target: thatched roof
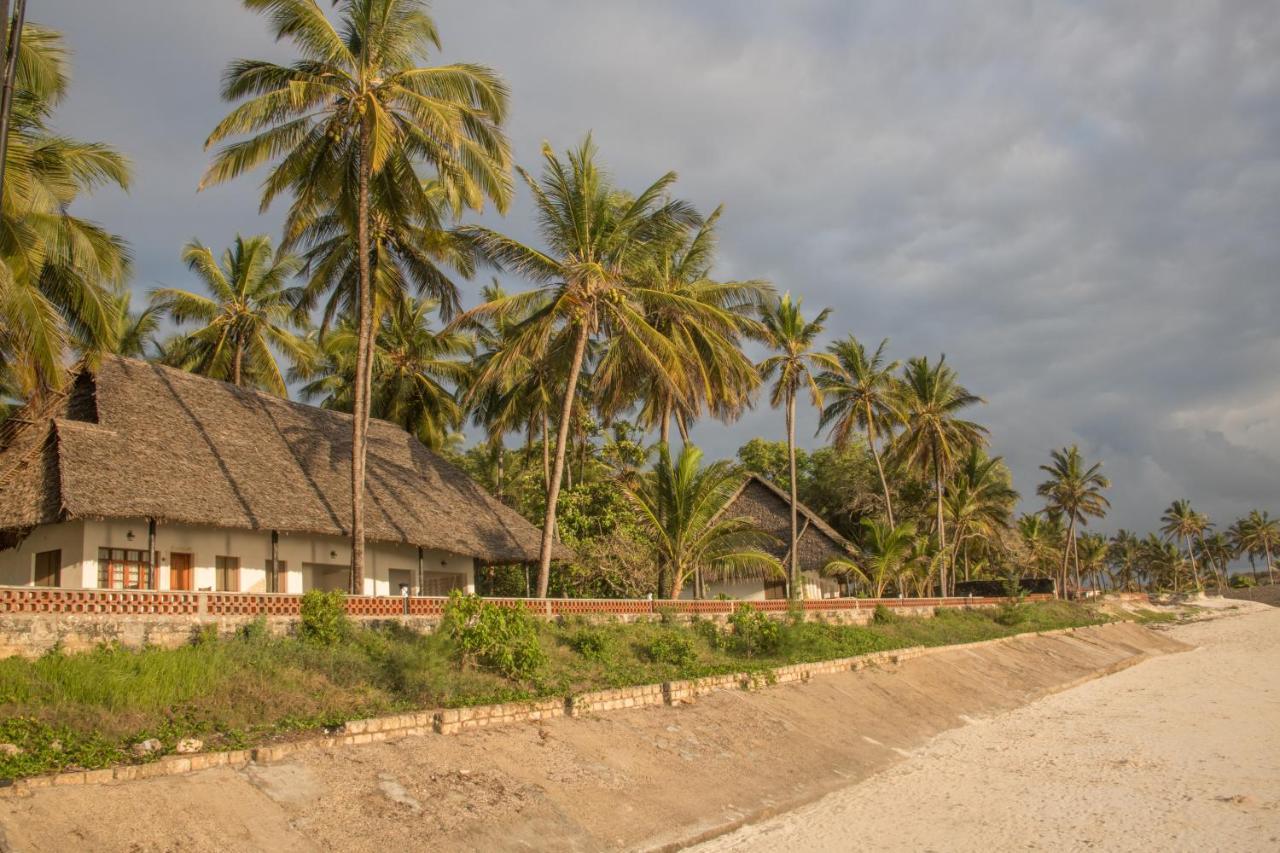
x: 769, y: 508
x: 131, y: 439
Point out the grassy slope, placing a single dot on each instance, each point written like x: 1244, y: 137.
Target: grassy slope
x: 85, y: 710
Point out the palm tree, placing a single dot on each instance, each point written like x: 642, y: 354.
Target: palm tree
x: 589, y: 285
x: 1162, y: 562
x: 862, y: 394
x: 1094, y: 549
x: 933, y: 437
x: 681, y: 508
x: 247, y: 317
x: 796, y: 366
x: 1039, y: 540
x: 1181, y: 521
x: 57, y: 270
x: 884, y: 551
x: 357, y: 110
x: 1217, y: 550
x: 1076, y: 493
x: 979, y: 503
x: 1125, y: 557
x: 416, y: 371
x: 716, y: 376
x: 1258, y: 533
x: 129, y: 333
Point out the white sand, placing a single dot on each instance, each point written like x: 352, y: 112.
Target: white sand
x: 1181, y: 752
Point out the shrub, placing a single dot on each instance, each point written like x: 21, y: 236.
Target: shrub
x: 503, y: 639
x: 1010, y: 614
x: 755, y: 632
x: 324, y: 616
x: 1243, y: 582
x: 883, y: 615
x: 592, y: 644
x: 672, y: 648
x: 710, y: 631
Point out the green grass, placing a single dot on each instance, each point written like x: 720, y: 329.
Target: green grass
x: 86, y: 710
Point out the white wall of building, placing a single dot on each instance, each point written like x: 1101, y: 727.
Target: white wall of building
x: 17, y: 565
x: 79, y: 542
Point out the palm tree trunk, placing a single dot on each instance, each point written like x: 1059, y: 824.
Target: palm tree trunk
x: 1195, y: 572
x: 793, y: 561
x: 546, y: 454
x: 237, y: 364
x: 364, y: 356
x: 683, y: 427
x: 1270, y: 572
x: 11, y: 46
x: 884, y: 483
x: 1075, y: 561
x: 942, y: 530
x: 1066, y: 553
x: 664, y: 431
x: 557, y: 469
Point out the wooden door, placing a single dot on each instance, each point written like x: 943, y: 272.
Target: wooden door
x: 180, y: 571
x: 48, y: 568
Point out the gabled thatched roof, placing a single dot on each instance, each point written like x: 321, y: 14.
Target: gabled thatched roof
x: 768, y: 507
x: 132, y: 439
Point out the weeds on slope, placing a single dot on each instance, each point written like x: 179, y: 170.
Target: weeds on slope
x: 88, y: 710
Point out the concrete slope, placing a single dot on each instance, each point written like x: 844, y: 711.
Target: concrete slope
x: 636, y: 779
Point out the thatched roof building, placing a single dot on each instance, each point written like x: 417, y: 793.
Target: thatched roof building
x: 132, y: 439
x: 769, y: 507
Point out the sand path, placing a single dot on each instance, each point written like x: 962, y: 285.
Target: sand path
x: 1180, y: 753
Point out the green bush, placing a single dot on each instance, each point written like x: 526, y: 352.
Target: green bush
x: 883, y: 615
x: 711, y: 633
x: 592, y: 643
x: 671, y: 647
x: 1243, y: 582
x: 324, y: 617
x: 503, y: 639
x: 755, y: 632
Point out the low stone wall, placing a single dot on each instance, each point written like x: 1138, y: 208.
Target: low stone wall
x: 33, y: 632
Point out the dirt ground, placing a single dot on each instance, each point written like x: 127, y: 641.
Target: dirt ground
x: 1181, y: 753
x: 665, y: 777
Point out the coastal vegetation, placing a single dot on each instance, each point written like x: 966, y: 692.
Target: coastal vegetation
x: 92, y: 709
x: 608, y: 328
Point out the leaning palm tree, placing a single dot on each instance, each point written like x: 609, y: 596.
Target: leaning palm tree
x: 588, y: 285
x: 796, y: 366
x: 682, y: 519
x: 933, y: 437
x: 416, y: 372
x: 1075, y: 492
x: 1182, y: 522
x: 1217, y: 550
x: 1258, y: 534
x: 57, y: 270
x: 244, y: 321
x: 862, y: 394
x: 357, y: 109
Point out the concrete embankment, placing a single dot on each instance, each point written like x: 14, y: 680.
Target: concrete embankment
x: 647, y: 778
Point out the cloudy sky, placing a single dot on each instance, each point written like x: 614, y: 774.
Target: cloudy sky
x: 1078, y: 202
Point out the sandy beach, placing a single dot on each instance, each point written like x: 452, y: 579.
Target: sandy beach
x: 1179, y: 753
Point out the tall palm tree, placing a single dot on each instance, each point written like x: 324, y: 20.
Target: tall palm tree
x: 1162, y: 562
x: 862, y: 394
x: 1182, y: 522
x: 588, y: 285
x: 796, y: 366
x: 416, y: 372
x: 715, y: 375
x: 1258, y: 533
x: 357, y: 109
x: 1076, y: 492
x: 1094, y: 549
x: 1217, y: 550
x: 1039, y: 542
x: 57, y: 271
x: 681, y: 507
x: 979, y: 503
x: 884, y: 550
x: 246, y: 318
x: 933, y: 436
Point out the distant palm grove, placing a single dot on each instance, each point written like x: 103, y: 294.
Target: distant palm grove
x: 608, y: 332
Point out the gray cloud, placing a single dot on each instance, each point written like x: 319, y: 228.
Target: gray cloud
x: 1077, y: 202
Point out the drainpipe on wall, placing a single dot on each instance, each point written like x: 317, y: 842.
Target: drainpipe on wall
x: 273, y: 584
x: 151, y: 554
